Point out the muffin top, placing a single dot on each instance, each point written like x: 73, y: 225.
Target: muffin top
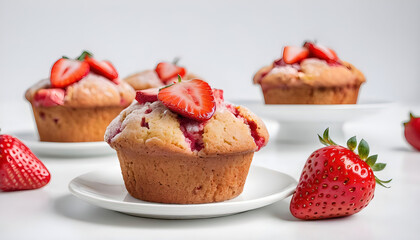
x: 152, y: 127
x: 82, y: 82
x: 163, y: 74
x: 91, y: 91
x: 311, y: 65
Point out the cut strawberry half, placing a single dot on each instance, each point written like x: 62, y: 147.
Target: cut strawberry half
x: 218, y: 97
x: 321, y: 52
x: 147, y: 95
x: 166, y: 71
x: 193, y: 99
x: 49, y: 97
x: 292, y: 54
x: 103, y: 68
x: 66, y: 71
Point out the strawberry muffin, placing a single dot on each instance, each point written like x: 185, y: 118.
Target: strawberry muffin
x: 163, y: 74
x: 312, y: 74
x: 184, y: 144
x: 79, y: 100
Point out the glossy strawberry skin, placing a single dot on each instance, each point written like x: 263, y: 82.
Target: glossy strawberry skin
x: 49, y: 97
x: 167, y: 71
x: 103, y: 68
x: 293, y: 54
x: 20, y: 169
x: 65, y: 72
x: 412, y: 132
x: 193, y: 99
x: 321, y: 52
x: 335, y: 182
x: 147, y: 95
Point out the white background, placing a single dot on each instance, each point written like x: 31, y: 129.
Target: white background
x: 225, y: 42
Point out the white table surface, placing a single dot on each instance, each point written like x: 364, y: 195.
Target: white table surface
x: 53, y: 213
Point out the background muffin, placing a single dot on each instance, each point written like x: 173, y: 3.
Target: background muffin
x: 79, y: 100
x: 312, y: 74
x: 163, y: 74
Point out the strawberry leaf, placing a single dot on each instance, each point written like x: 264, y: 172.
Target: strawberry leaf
x: 381, y: 182
x: 372, y: 160
x: 322, y: 141
x: 83, y: 55
x: 363, y: 149
x: 352, y: 143
x: 378, y: 167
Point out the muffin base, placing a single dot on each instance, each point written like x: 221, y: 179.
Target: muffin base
x: 68, y: 124
x: 184, y: 179
x: 311, y: 95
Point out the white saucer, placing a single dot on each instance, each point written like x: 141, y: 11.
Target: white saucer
x: 59, y: 149
x: 105, y: 188
x: 301, y: 122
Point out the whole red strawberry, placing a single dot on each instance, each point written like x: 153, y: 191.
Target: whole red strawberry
x: 20, y: 169
x: 412, y: 131
x: 336, y: 181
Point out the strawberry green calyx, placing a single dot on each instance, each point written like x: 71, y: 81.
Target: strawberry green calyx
x: 411, y: 118
x: 325, y: 139
x: 362, y: 151
x: 84, y: 55
x: 352, y: 143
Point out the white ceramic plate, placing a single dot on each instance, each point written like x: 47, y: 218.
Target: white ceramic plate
x: 301, y: 122
x: 314, y: 112
x: 58, y: 149
x: 106, y: 189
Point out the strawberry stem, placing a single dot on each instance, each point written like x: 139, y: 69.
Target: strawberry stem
x: 179, y: 78
x: 175, y: 61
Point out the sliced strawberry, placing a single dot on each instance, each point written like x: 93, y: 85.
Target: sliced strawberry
x: 103, y: 68
x: 49, y: 97
x: 66, y: 71
x: 166, y: 71
x: 20, y: 169
x: 292, y: 54
x: 321, y: 52
x: 147, y: 95
x: 218, y: 97
x: 192, y: 99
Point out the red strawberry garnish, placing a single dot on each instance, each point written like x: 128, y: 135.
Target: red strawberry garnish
x: 412, y: 131
x: 292, y: 54
x: 20, y: 169
x: 192, y: 99
x: 335, y: 181
x: 66, y: 71
x: 166, y: 71
x: 103, y: 68
x: 49, y: 97
x: 218, y: 97
x: 321, y: 52
x: 147, y: 95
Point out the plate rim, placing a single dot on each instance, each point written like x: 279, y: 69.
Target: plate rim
x: 141, y: 208
x: 362, y: 105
